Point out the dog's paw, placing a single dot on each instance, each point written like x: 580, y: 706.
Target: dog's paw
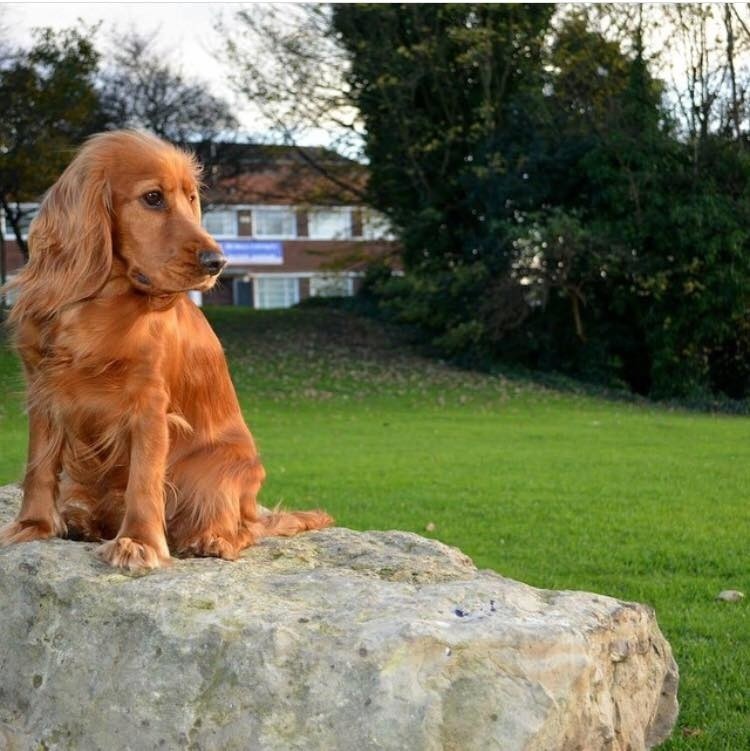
x: 218, y: 542
x: 127, y: 553
x: 212, y: 546
x: 27, y: 530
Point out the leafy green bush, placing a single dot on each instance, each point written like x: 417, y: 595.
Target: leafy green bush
x: 548, y: 209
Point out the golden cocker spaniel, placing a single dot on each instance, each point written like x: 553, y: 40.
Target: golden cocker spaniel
x: 135, y: 432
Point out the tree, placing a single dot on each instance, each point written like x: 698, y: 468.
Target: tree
x: 50, y: 105
x: 141, y: 89
x: 448, y: 95
x: 556, y: 201
x: 666, y: 297
x: 289, y: 65
x: 624, y: 148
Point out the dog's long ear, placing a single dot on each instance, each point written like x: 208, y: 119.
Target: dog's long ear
x: 70, y: 241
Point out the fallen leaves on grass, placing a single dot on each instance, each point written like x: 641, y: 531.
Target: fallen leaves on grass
x: 316, y: 354
x: 688, y: 732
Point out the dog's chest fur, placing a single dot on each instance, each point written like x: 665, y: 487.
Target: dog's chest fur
x: 105, y: 360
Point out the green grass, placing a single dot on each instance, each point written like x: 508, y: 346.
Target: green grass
x: 557, y: 489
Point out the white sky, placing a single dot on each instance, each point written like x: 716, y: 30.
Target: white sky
x: 185, y: 31
x: 186, y: 28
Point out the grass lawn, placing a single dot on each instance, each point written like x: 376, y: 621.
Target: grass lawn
x: 558, y: 489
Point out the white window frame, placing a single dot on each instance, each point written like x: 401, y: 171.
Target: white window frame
x: 11, y: 292
x: 375, y: 226
x: 7, y: 230
x: 258, y: 278
x: 288, y: 209
x: 317, y: 279
x: 225, y: 210
x: 341, y: 210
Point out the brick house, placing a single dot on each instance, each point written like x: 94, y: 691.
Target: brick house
x: 291, y: 222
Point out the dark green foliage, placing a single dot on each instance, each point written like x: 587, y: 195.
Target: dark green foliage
x: 549, y: 212
x: 446, y: 92
x: 50, y: 104
x: 55, y: 94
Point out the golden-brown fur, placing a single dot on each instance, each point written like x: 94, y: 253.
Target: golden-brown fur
x: 135, y: 433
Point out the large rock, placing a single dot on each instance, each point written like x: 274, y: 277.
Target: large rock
x: 331, y: 640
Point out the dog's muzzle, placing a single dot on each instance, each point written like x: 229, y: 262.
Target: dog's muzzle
x: 211, y: 261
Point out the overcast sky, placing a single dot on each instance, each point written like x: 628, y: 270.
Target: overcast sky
x: 186, y: 30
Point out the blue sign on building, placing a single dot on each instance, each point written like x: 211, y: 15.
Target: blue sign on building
x: 252, y: 252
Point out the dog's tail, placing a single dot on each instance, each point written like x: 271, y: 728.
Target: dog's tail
x: 278, y: 523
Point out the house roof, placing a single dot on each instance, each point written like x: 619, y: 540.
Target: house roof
x: 281, y: 175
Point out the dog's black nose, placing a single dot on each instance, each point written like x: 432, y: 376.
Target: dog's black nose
x: 211, y: 261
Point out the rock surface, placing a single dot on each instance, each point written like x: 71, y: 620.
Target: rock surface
x: 331, y: 640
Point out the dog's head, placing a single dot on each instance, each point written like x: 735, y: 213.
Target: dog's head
x: 132, y: 197
x: 156, y: 214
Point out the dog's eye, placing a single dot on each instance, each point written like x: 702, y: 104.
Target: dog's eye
x: 193, y: 198
x: 154, y: 199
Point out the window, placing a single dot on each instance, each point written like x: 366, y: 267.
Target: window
x: 28, y: 212
x: 274, y: 223
x: 219, y: 222
x: 331, y: 285
x: 330, y: 224
x: 276, y: 292
x: 375, y: 226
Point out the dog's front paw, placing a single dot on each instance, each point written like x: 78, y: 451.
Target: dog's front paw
x: 134, y: 555
x: 211, y: 546
x: 27, y: 530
